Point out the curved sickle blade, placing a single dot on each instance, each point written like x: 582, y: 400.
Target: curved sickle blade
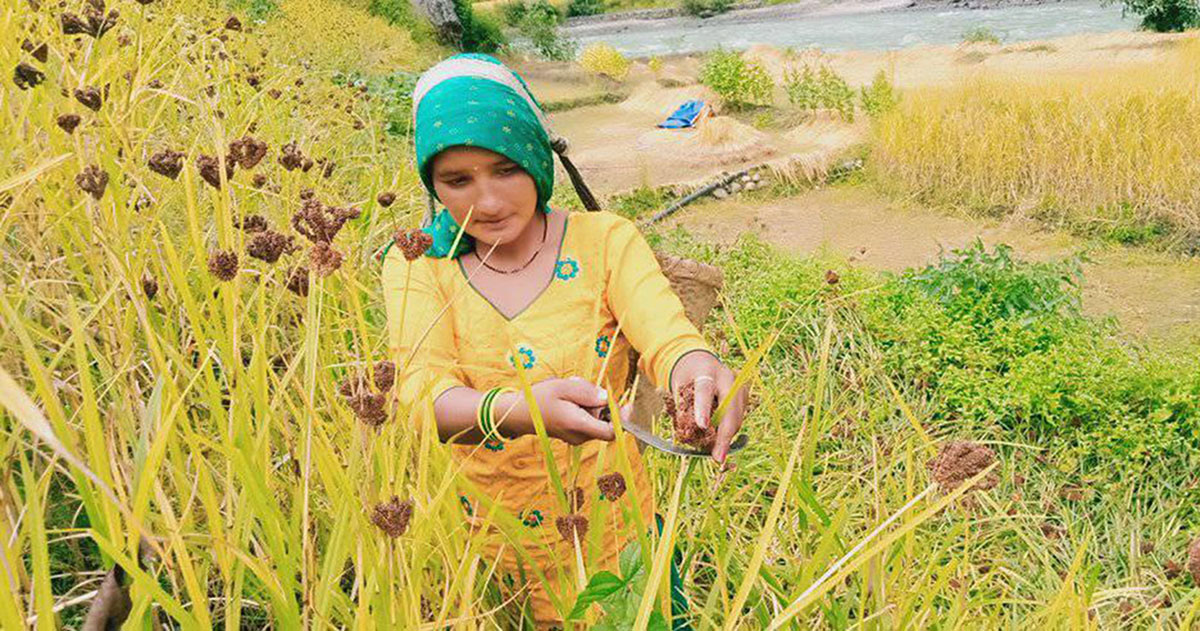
x: 648, y: 437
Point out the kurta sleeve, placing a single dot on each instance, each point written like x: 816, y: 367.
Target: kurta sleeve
x: 434, y: 366
x: 641, y: 299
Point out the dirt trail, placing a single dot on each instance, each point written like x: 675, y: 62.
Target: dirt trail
x: 1150, y: 294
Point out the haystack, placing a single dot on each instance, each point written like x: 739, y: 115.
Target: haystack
x: 716, y: 140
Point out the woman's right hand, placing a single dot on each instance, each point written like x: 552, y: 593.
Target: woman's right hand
x: 564, y: 406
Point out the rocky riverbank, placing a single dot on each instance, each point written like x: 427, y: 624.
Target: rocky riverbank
x: 758, y: 10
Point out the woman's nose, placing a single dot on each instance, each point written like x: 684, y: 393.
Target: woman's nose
x: 490, y: 200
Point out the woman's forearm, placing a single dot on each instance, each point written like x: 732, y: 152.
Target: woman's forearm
x: 456, y: 413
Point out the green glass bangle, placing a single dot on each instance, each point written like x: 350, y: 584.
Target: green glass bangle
x: 484, y: 414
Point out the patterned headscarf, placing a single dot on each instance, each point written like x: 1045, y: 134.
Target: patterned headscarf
x: 474, y: 100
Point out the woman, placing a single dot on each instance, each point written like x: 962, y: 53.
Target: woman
x: 565, y: 295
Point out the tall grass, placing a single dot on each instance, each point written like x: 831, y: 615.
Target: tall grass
x: 192, y: 431
x: 1111, y: 152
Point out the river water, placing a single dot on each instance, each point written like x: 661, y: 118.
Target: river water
x: 863, y: 31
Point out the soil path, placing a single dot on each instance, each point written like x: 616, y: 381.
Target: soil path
x: 1150, y: 294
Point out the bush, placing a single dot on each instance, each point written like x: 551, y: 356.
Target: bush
x: 480, y: 33
x: 880, y: 97
x: 981, y: 35
x: 511, y: 13
x: 991, y: 345
x: 738, y: 81
x: 398, y: 12
x: 812, y: 90
x: 578, y: 8
x: 706, y: 8
x: 604, y: 60
x: 540, y: 25
x: 1165, y: 16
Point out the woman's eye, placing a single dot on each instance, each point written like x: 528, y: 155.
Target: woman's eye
x: 458, y: 181
x: 508, y: 170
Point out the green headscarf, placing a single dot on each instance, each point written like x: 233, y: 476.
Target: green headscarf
x: 474, y: 100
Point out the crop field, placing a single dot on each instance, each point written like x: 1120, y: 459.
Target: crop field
x: 192, y: 198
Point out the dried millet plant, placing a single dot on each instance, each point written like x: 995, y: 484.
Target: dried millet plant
x: 269, y: 245
x: 90, y: 97
x: 26, y: 76
x: 393, y: 516
x: 68, y: 122
x: 959, y: 461
x: 167, y: 163
x: 149, y: 286
x: 612, y: 486
x: 223, y: 265
x: 324, y: 259
x: 413, y: 243
x: 686, y: 429
x: 210, y: 169
x: 253, y: 223
x: 92, y: 180
x: 297, y: 281
x: 572, y: 527
x: 385, y: 375
x: 247, y: 152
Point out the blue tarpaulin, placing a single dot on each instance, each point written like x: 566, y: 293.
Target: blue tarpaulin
x: 686, y: 116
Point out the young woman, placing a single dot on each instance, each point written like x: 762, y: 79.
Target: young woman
x: 565, y: 295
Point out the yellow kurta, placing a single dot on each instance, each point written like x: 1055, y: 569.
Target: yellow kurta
x: 605, y: 274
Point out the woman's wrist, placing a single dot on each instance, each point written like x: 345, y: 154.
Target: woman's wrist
x: 510, y: 415
x: 686, y: 355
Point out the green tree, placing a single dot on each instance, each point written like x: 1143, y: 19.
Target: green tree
x: 1165, y: 16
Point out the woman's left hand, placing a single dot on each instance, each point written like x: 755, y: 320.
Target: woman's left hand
x: 711, y: 376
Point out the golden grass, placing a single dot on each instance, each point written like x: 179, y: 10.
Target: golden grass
x: 1093, y: 150
x: 204, y: 417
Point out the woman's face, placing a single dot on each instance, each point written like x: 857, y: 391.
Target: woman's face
x: 502, y: 194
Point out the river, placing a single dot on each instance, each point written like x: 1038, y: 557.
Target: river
x: 887, y: 30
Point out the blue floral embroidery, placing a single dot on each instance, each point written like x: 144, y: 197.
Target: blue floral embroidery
x: 566, y: 269
x: 603, y: 345
x: 532, y: 519
x: 493, y: 444
x: 528, y: 359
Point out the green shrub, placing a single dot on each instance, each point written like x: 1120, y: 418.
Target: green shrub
x: 397, y: 12
x: 1165, y: 16
x: 981, y: 35
x: 880, y: 97
x: 989, y: 345
x: 998, y: 342
x: 256, y: 10
x: 811, y: 90
x: 577, y: 8
x: 511, y: 13
x: 738, y: 81
x: 706, y: 8
x: 480, y: 33
x: 540, y: 26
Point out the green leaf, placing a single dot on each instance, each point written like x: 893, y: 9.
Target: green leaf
x: 631, y: 560
x: 657, y: 622
x: 601, y: 586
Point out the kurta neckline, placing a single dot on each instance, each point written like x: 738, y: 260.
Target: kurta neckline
x: 541, y: 292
